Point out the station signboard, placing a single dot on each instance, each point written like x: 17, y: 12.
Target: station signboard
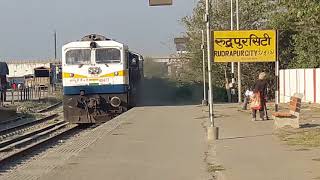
x: 160, y: 2
x: 245, y: 46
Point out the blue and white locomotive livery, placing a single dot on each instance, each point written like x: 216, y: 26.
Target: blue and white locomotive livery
x: 100, y: 79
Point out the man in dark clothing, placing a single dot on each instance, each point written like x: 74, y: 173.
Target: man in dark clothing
x: 261, y: 87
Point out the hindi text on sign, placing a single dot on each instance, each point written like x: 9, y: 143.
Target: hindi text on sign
x: 245, y: 46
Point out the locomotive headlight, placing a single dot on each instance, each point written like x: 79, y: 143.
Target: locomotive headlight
x: 116, y: 73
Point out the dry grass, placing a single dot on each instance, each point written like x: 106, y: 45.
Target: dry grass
x: 302, y: 149
x: 309, y: 137
x: 214, y: 168
x: 201, y: 117
x: 26, y: 107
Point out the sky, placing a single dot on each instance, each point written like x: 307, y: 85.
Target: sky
x: 27, y: 26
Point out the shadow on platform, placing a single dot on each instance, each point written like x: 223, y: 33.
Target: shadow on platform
x: 245, y: 137
x: 308, y: 125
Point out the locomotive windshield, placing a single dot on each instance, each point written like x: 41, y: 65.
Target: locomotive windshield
x: 78, y: 56
x: 108, y: 55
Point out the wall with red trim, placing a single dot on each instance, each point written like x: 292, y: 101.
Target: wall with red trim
x: 304, y: 81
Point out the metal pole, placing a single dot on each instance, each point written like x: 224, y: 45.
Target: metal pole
x: 204, y: 101
x: 212, y: 131
x: 55, y: 45
x: 209, y: 49
x: 21, y: 95
x: 277, y: 76
x: 231, y: 24
x: 239, y: 64
x: 12, y: 96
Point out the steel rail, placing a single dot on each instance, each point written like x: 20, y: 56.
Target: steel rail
x: 10, y: 143
x: 19, y: 153
x: 27, y: 124
x: 51, y: 107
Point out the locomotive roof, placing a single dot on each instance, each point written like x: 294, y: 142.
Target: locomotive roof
x: 86, y: 44
x: 95, y: 37
x: 99, y: 39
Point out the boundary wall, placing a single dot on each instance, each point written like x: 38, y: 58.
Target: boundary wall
x: 304, y: 81
x: 23, y: 69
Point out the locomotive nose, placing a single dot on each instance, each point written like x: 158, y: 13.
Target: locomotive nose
x: 115, y: 101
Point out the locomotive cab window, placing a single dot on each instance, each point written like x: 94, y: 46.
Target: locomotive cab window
x: 109, y: 55
x: 78, y: 56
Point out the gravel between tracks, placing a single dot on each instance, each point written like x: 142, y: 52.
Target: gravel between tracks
x: 54, y: 157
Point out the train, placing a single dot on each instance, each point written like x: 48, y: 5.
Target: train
x: 101, y: 78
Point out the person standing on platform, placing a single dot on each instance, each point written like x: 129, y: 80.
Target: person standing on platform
x: 260, y: 94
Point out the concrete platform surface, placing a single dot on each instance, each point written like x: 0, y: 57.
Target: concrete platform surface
x: 250, y: 151
x: 155, y: 143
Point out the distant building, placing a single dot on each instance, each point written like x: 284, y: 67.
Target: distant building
x: 20, y: 71
x: 23, y: 68
x: 181, y: 44
x: 175, y: 62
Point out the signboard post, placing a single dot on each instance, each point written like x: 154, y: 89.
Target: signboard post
x: 160, y: 2
x: 277, y: 75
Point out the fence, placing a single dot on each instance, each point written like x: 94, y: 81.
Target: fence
x: 304, y: 81
x: 25, y: 94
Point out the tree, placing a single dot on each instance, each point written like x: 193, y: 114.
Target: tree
x: 298, y: 22
x: 194, y: 24
x: 250, y: 18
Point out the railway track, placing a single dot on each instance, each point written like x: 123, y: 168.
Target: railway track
x: 23, y: 144
x: 18, y: 139
x: 50, y: 108
x: 23, y: 117
x: 11, y: 130
x: 12, y: 120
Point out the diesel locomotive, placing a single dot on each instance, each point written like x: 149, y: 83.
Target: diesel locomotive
x: 101, y: 79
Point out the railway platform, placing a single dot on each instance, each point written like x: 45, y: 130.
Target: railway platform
x: 151, y: 143
x: 155, y: 142
x: 170, y: 142
x: 250, y: 150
